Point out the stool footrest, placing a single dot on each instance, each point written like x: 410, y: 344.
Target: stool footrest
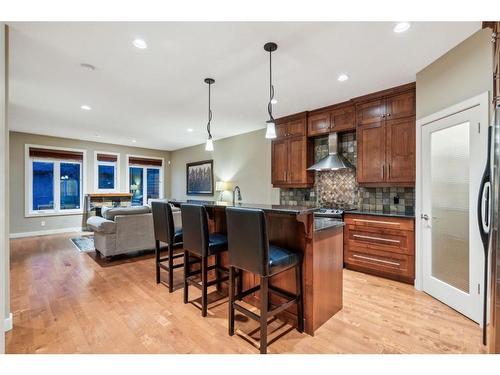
x: 247, y: 312
x: 282, y: 293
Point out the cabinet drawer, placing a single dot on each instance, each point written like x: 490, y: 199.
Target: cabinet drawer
x: 394, y: 241
x: 371, y: 221
x: 381, y: 261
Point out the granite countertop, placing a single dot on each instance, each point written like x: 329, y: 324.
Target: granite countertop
x: 292, y: 210
x: 322, y: 223
x: 408, y: 214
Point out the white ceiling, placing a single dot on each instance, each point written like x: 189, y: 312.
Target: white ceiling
x: 154, y: 95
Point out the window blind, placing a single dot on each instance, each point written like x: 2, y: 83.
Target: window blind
x: 144, y: 161
x: 55, y: 154
x: 107, y: 157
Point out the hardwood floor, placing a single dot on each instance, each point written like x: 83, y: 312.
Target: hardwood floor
x: 65, y: 301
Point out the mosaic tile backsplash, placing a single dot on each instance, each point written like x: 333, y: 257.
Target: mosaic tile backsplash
x: 340, y: 189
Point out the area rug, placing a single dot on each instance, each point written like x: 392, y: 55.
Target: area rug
x: 84, y: 244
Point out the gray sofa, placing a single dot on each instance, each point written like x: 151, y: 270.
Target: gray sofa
x: 122, y: 230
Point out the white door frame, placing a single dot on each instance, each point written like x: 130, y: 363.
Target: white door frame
x: 481, y: 100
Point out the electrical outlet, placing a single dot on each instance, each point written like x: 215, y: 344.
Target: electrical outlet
x: 42, y: 223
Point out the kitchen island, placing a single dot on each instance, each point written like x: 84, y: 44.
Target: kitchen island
x: 320, y: 242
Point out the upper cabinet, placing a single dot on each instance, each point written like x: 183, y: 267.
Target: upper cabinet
x: 291, y: 154
x: 338, y: 118
x: 386, y: 138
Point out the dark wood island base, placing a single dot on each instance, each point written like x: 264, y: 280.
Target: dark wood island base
x: 292, y: 227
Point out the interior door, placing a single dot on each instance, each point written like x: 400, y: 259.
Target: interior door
x: 453, y: 160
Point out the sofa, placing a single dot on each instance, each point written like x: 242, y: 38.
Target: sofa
x: 123, y: 230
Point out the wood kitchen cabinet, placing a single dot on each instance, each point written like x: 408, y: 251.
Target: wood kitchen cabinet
x: 337, y: 118
x: 386, y: 139
x: 380, y: 245
x: 291, y: 154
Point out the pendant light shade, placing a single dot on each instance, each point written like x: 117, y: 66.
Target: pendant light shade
x: 270, y: 130
x: 271, y: 127
x: 209, y: 145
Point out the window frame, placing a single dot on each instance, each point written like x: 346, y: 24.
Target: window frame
x: 28, y: 182
x: 145, y: 168
x: 96, y: 172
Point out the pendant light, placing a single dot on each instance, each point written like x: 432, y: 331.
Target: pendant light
x: 271, y: 127
x: 209, y: 146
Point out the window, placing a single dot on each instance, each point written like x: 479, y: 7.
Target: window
x: 54, y: 180
x: 145, y: 179
x: 106, y: 172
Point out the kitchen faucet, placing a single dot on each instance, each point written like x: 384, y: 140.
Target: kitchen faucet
x: 236, y: 188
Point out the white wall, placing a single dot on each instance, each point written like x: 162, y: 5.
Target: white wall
x: 21, y: 224
x: 4, y: 275
x: 244, y: 160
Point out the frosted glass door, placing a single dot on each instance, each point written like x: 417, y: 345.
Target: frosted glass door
x: 453, y: 159
x: 450, y: 155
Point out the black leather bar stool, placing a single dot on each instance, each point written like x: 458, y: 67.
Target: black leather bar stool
x: 198, y: 242
x: 165, y: 232
x: 249, y: 250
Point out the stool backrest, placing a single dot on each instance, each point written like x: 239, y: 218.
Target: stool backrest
x: 163, y: 222
x: 248, y: 244
x: 195, y: 228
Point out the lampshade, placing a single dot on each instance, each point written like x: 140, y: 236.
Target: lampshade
x: 209, y: 146
x: 271, y: 130
x: 223, y: 186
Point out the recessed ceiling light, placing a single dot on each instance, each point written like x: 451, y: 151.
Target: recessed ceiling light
x: 401, y: 27
x: 343, y: 77
x: 85, y: 107
x: 140, y: 43
x: 190, y: 130
x: 134, y: 141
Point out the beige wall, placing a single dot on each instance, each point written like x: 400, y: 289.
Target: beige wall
x: 21, y: 224
x: 244, y: 160
x: 4, y: 253
x: 463, y: 72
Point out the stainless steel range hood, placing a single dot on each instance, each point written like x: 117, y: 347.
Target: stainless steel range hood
x: 334, y: 161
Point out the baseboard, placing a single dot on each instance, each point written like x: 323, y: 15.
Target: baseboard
x: 8, y: 323
x: 45, y: 232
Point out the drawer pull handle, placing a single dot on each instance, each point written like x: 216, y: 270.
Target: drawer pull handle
x: 376, y: 238
x: 376, y: 222
x: 377, y: 260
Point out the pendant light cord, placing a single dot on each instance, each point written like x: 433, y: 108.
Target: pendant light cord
x: 209, y: 113
x: 271, y: 88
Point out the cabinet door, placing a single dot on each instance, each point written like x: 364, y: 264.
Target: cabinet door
x: 318, y: 123
x: 399, y: 106
x: 297, y: 160
x: 281, y: 130
x: 371, y: 153
x: 400, y: 152
x: 343, y: 119
x: 370, y: 112
x: 296, y: 127
x: 279, y: 162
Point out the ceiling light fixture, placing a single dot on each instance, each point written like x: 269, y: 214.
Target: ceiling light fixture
x: 190, y: 130
x: 134, y: 141
x: 85, y: 107
x: 401, y: 27
x: 140, y: 43
x: 271, y: 127
x: 343, y: 78
x: 209, y: 146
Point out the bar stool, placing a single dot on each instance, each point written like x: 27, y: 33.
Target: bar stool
x: 198, y: 242
x: 165, y: 231
x: 249, y: 250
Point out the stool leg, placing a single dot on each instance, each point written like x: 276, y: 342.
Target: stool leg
x: 231, y: 300
x: 204, y: 290
x: 264, y: 298
x: 218, y: 275
x: 157, y: 253
x: 240, y: 283
x: 170, y: 268
x: 300, y: 297
x: 186, y: 272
